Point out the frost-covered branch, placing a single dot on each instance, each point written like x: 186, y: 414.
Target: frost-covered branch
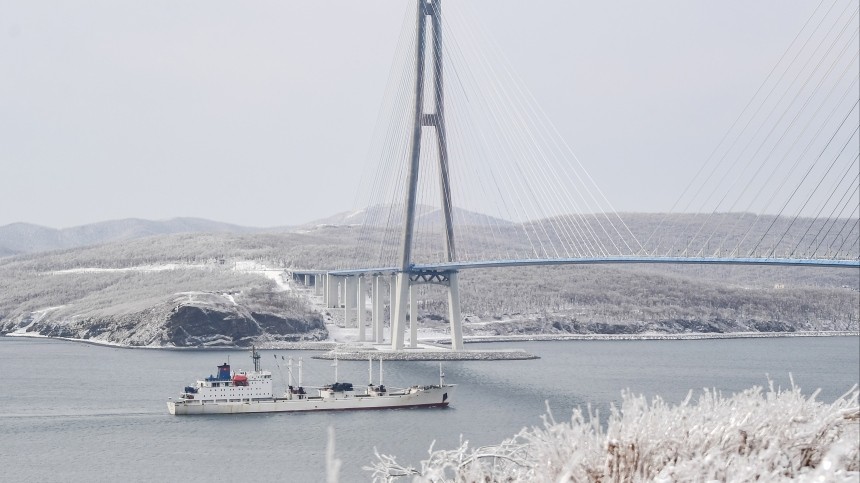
x: 771, y: 435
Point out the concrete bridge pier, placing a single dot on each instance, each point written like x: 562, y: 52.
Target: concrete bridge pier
x: 413, y: 317
x: 360, y: 307
x: 337, y: 299
x: 406, y: 283
x: 350, y: 300
x: 392, y: 305
x: 374, y: 305
x: 454, y: 312
x: 318, y: 282
x: 398, y: 315
x: 332, y: 291
x: 380, y: 328
x: 377, y: 306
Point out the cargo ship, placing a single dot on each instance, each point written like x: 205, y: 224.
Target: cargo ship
x: 238, y: 392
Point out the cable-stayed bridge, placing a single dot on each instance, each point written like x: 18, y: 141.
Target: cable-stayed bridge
x: 470, y: 173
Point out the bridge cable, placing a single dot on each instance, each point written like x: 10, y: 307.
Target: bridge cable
x: 533, y: 238
x: 818, y: 185
x: 804, y: 178
x: 781, y: 117
x: 796, y: 138
x: 848, y: 203
x: 741, y: 115
x: 842, y: 177
x: 778, y: 103
x: 376, y: 204
x: 455, y: 133
x: 393, y: 151
x: 843, y: 203
x: 455, y: 127
x: 844, y: 240
x: 514, y: 103
x: 785, y: 180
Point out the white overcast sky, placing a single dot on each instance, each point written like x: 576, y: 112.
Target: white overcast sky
x: 259, y: 112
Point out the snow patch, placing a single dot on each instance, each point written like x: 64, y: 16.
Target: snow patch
x: 354, y: 214
x: 37, y: 316
x: 274, y: 274
x: 140, y: 268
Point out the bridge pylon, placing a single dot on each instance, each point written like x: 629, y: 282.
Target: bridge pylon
x: 407, y: 277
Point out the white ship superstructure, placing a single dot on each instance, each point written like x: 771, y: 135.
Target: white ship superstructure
x: 232, y: 387
x: 251, y: 392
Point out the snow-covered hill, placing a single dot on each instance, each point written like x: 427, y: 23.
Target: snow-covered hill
x: 176, y: 305
x: 17, y: 238
x: 380, y: 215
x: 101, y: 291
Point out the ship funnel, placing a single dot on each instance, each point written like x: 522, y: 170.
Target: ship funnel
x: 224, y: 372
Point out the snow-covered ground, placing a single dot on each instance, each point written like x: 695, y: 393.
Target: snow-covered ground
x: 230, y: 298
x: 755, y: 435
x: 275, y: 274
x: 245, y: 266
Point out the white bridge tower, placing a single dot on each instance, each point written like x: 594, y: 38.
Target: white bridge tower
x: 407, y: 276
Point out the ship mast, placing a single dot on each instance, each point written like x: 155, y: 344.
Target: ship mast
x: 335, y: 367
x: 256, y: 358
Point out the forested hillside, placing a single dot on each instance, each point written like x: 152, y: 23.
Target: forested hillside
x: 175, y: 290
x: 642, y: 299
x: 196, y: 289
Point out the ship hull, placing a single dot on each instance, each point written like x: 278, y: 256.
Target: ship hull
x: 427, y: 397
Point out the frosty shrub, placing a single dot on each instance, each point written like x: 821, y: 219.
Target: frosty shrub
x: 754, y: 435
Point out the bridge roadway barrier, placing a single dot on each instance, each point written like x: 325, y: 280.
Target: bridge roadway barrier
x: 456, y: 266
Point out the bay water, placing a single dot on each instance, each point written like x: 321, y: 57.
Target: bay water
x: 79, y: 412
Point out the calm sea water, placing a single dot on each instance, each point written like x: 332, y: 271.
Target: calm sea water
x: 78, y: 412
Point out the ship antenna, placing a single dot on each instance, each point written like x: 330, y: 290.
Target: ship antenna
x: 290, y: 370
x: 300, y: 372
x: 380, y: 370
x: 370, y: 370
x: 441, y: 376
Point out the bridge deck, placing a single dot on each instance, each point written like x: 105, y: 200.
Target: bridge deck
x: 455, y: 266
